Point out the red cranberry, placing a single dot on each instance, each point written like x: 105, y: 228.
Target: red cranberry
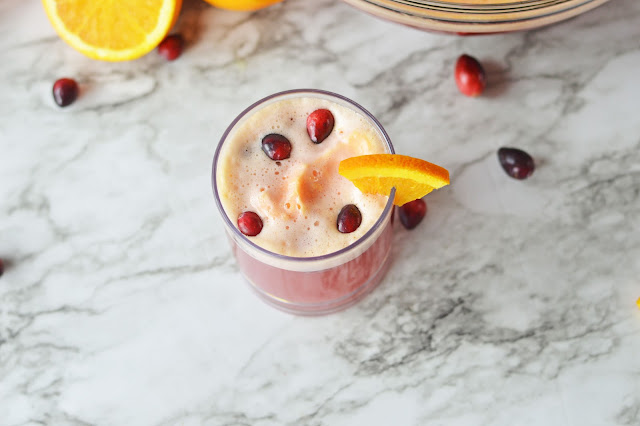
x: 470, y: 76
x: 412, y: 213
x: 319, y: 125
x: 349, y: 219
x: 249, y: 224
x: 65, y: 91
x: 277, y: 147
x: 517, y: 163
x: 171, y: 47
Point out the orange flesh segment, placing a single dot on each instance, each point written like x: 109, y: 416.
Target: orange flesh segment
x: 412, y: 177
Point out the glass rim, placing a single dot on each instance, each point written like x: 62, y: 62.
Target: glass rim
x: 312, y: 259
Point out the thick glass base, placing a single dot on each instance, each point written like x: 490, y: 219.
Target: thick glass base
x: 326, y: 307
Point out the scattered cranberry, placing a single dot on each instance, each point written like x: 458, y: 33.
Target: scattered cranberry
x: 349, y: 219
x: 277, y: 147
x: 65, y: 91
x: 517, y: 163
x: 412, y: 213
x: 171, y: 47
x: 249, y: 224
x: 470, y: 76
x: 319, y: 125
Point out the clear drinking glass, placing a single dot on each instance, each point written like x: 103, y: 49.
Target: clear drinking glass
x: 311, y: 285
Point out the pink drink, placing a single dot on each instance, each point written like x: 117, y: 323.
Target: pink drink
x: 299, y: 262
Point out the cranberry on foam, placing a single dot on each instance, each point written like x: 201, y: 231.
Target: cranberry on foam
x: 349, y: 219
x: 319, y: 125
x: 276, y: 146
x: 249, y: 224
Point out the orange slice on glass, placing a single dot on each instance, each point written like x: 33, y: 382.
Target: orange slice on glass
x: 112, y: 30
x: 412, y: 177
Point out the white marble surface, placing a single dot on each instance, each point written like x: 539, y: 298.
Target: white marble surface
x: 512, y: 304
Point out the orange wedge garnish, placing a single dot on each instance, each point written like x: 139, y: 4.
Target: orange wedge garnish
x: 112, y: 30
x: 412, y: 177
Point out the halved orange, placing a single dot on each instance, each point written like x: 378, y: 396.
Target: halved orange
x: 244, y: 5
x: 412, y: 177
x: 112, y: 30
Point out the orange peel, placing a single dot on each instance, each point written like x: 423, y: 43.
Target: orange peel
x: 412, y: 177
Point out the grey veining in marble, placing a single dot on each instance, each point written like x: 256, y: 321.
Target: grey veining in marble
x: 512, y: 304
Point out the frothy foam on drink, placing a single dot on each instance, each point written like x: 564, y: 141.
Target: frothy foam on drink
x: 299, y: 198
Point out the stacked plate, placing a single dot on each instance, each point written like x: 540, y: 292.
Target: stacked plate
x: 475, y: 16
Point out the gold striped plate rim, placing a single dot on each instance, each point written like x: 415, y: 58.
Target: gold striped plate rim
x: 481, y: 8
x: 485, y: 16
x: 494, y: 9
x: 466, y: 3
